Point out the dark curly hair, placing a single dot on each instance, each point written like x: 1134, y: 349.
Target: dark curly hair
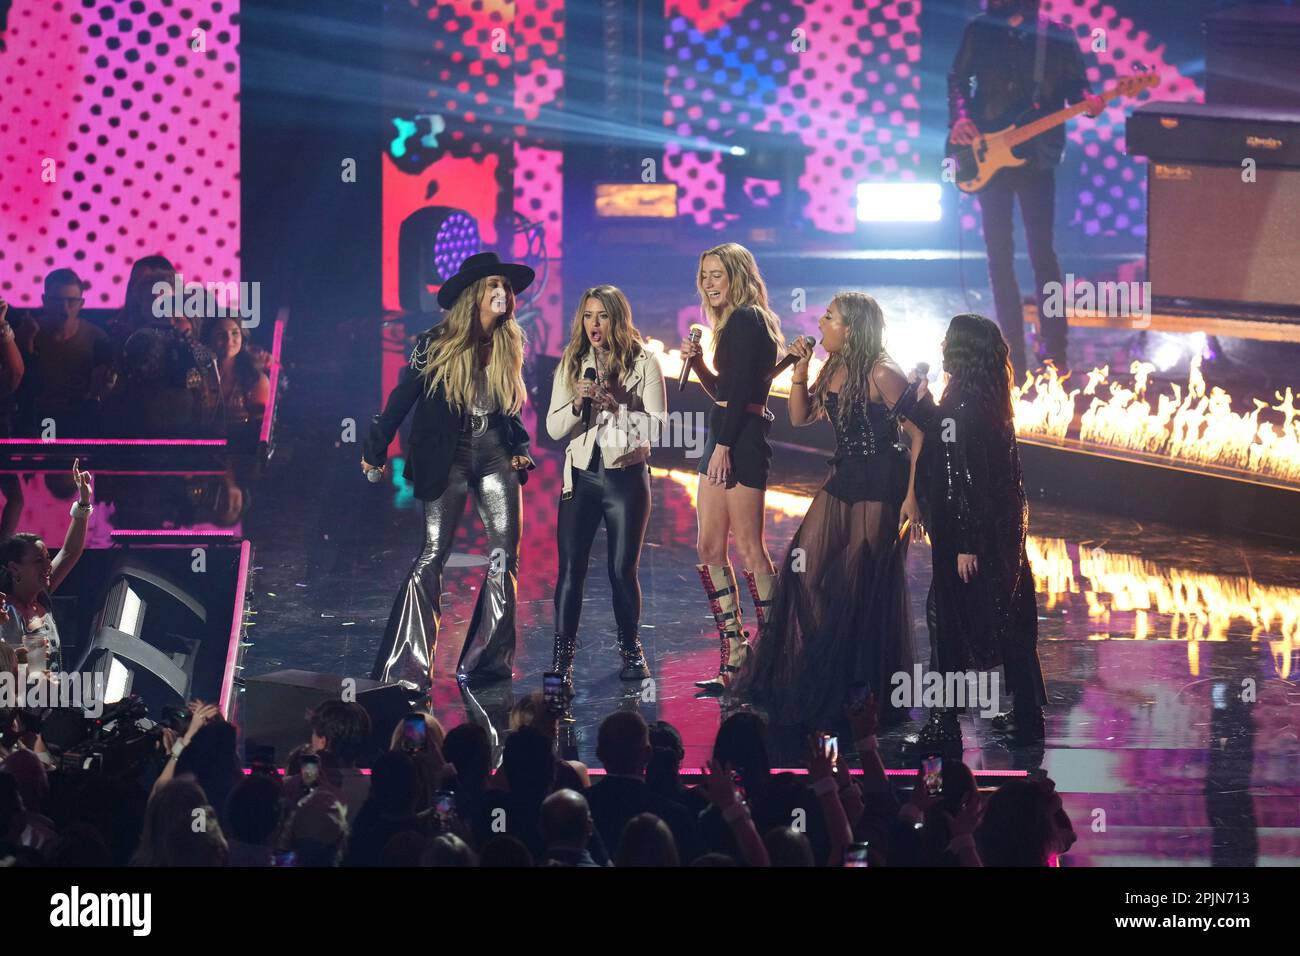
x: 977, y: 358
x: 14, y: 549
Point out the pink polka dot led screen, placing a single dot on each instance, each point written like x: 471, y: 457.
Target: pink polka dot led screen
x: 851, y: 95
x: 119, y: 138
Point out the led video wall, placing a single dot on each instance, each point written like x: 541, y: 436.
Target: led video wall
x: 841, y: 79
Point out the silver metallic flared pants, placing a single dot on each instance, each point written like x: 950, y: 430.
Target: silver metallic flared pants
x: 482, y: 465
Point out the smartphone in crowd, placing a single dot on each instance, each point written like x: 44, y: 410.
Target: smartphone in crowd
x: 444, y: 810
x: 830, y: 745
x: 738, y: 782
x: 309, y: 769
x: 932, y: 773
x: 553, y: 691
x: 857, y: 855
x: 414, y: 729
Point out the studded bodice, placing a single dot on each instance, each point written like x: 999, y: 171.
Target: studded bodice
x: 869, y: 463
x: 870, y: 430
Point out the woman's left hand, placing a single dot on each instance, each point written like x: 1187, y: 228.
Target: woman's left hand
x: 84, y: 482
x: 720, y: 465
x: 911, y: 511
x: 520, y: 462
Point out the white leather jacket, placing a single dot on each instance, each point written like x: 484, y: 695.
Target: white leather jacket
x: 624, y: 435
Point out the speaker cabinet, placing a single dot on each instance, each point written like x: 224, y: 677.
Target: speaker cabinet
x: 275, y: 708
x: 1216, y: 239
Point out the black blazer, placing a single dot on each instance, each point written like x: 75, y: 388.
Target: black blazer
x: 435, y: 430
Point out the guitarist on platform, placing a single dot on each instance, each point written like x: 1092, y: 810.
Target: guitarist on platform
x: 1012, y: 63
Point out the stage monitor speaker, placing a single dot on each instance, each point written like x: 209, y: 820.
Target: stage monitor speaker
x: 1213, y: 238
x: 276, y: 707
x: 155, y: 664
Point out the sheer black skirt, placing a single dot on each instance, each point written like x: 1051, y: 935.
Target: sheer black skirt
x: 840, y: 616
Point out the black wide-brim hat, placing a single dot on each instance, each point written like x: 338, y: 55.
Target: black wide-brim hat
x: 480, y: 266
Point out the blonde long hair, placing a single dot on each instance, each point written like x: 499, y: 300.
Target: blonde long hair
x: 745, y: 288
x: 624, y: 339
x: 863, y: 349
x: 452, y: 359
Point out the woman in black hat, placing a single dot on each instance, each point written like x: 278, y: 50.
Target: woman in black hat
x: 465, y: 381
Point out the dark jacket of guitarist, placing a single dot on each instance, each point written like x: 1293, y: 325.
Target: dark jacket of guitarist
x: 992, y: 78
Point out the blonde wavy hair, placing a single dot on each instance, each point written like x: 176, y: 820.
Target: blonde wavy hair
x: 863, y: 348
x: 745, y: 288
x: 452, y: 358
x: 624, y: 339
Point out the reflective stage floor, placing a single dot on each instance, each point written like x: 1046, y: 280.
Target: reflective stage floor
x: 1138, y: 626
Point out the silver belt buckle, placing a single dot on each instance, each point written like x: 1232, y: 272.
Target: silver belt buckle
x: 478, y: 425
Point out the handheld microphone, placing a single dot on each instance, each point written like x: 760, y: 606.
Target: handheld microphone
x: 921, y: 371
x: 590, y: 376
x: 685, y: 373
x: 791, y: 359
x: 375, y: 475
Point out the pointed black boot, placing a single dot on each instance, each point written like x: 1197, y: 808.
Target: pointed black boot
x: 635, y: 666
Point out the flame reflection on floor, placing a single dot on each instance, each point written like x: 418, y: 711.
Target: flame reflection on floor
x: 1129, y: 597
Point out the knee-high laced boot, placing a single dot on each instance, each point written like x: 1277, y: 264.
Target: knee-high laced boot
x: 762, y: 586
x: 719, y: 582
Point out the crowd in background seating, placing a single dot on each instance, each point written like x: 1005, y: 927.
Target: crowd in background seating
x: 144, y: 372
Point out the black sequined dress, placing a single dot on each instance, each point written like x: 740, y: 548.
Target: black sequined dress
x: 973, y: 496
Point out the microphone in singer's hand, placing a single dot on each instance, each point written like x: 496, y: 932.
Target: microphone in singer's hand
x: 793, y: 358
x: 921, y: 371
x: 686, y: 365
x: 590, y: 376
x: 375, y: 475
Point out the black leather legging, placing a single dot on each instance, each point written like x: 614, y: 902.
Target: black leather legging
x: 621, y: 498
